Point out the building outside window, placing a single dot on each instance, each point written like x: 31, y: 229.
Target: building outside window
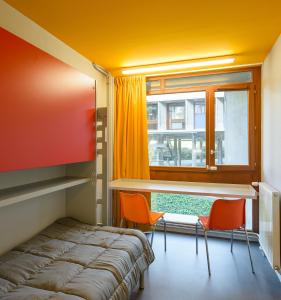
x: 176, y: 115
x: 177, y: 136
x: 199, y: 114
x: 152, y: 115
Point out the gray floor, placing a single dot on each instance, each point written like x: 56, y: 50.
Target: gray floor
x: 179, y: 274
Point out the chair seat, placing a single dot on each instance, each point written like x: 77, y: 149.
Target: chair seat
x: 204, y: 220
x: 155, y: 216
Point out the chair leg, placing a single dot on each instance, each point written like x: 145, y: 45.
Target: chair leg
x: 121, y: 222
x: 152, y: 235
x: 231, y: 248
x: 196, y: 236
x: 165, y: 235
x: 249, y: 250
x: 207, y: 252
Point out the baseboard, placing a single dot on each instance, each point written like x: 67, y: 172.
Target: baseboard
x: 277, y: 271
x: 278, y: 274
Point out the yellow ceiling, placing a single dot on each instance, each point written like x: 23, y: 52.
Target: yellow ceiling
x: 116, y: 34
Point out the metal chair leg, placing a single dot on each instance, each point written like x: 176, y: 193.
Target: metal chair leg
x: 165, y: 233
x: 231, y: 248
x: 121, y: 222
x: 196, y: 236
x: 249, y: 250
x: 152, y: 236
x: 207, y: 252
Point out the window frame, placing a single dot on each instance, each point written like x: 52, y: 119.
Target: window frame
x: 251, y: 126
x: 253, y: 118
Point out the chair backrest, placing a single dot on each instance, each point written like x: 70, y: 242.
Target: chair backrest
x: 134, y: 208
x: 227, y: 214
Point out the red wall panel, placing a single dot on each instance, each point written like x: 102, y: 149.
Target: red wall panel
x: 47, y: 108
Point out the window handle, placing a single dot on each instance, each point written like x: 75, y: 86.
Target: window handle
x: 212, y: 152
x: 211, y: 168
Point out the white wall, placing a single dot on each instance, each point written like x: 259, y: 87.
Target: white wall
x: 271, y: 117
x: 21, y: 221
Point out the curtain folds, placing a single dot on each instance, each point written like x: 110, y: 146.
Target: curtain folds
x: 130, y: 133
x: 130, y: 137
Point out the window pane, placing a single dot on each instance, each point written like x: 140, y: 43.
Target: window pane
x: 206, y: 80
x: 152, y: 115
x: 231, y: 132
x: 176, y: 115
x: 180, y: 136
x: 153, y: 85
x: 199, y: 114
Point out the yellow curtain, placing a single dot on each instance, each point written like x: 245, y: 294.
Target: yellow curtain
x: 130, y: 135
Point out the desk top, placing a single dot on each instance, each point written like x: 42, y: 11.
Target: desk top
x: 182, y: 187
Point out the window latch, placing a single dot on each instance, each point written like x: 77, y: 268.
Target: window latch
x: 211, y: 168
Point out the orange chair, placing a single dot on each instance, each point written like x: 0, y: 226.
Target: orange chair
x: 134, y: 208
x: 224, y: 215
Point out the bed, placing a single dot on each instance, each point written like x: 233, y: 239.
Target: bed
x: 70, y: 260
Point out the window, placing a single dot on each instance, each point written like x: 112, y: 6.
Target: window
x: 231, y: 144
x: 208, y: 130
x: 180, y: 138
x: 184, y: 82
x: 179, y: 133
x: 153, y: 85
x: 199, y: 114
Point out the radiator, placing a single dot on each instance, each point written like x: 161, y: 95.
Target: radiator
x: 269, y: 223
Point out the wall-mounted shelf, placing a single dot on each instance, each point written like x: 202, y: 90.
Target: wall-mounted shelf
x: 221, y: 190
x: 21, y: 193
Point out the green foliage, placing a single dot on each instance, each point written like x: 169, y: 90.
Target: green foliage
x: 181, y: 204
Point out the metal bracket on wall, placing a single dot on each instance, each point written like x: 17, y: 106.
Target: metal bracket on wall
x: 101, y: 158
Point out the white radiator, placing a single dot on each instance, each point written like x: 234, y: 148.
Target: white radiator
x: 269, y: 223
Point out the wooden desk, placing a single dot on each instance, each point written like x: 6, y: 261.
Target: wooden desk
x: 220, y: 190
